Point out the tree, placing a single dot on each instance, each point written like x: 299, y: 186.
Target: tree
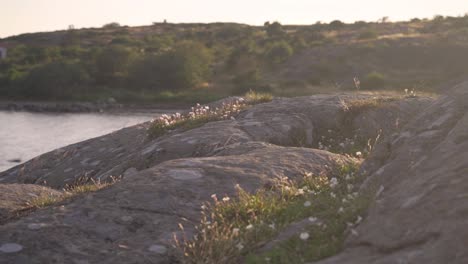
x: 275, y: 29
x: 112, y: 63
x: 55, y: 80
x: 185, y: 66
x: 279, y: 52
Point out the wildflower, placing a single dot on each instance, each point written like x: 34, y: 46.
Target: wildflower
x: 333, y: 182
x: 226, y: 199
x: 359, y: 219
x: 213, y: 196
x: 304, y: 236
x: 250, y: 226
x: 307, y: 203
x: 300, y: 191
x: 239, y: 246
x: 359, y: 154
x: 203, y: 207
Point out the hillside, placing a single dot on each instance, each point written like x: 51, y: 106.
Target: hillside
x: 201, y: 62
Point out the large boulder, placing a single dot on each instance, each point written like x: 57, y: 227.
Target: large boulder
x: 289, y: 122
x: 420, y: 213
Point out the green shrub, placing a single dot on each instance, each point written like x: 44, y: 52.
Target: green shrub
x: 368, y: 34
x: 55, y: 80
x: 186, y: 66
x: 246, y: 82
x: 373, y: 81
x: 279, y: 52
x: 112, y: 64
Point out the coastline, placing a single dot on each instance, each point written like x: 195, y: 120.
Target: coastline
x: 88, y: 107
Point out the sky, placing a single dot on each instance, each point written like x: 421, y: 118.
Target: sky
x: 27, y: 16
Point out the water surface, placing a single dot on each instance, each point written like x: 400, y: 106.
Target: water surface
x: 25, y: 135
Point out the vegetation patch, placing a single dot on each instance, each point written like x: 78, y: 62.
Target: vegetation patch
x: 239, y: 229
x: 199, y: 116
x: 80, y: 186
x: 253, y: 97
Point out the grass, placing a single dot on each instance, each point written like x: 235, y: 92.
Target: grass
x: 199, y: 116
x: 233, y: 230
x: 253, y: 97
x: 80, y: 186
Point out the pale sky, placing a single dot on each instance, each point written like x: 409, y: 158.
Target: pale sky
x: 26, y: 16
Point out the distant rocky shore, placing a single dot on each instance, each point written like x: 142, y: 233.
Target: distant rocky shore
x: 84, y: 107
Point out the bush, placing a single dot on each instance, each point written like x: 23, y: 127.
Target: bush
x: 55, y: 80
x: 246, y: 82
x: 373, y: 80
x: 187, y: 66
x: 112, y: 64
x: 368, y: 34
x: 336, y: 24
x: 278, y: 52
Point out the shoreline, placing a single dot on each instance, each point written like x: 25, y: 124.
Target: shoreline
x: 88, y: 107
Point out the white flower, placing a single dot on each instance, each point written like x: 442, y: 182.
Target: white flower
x: 359, y: 154
x: 300, y: 191
x: 203, y: 207
x: 359, y: 219
x: 333, y: 182
x: 313, y: 219
x: 307, y: 203
x: 250, y: 226
x: 239, y: 246
x: 213, y: 196
x: 226, y: 199
x: 304, y: 236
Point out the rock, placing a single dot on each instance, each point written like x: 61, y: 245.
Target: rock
x: 14, y: 197
x: 10, y: 248
x: 130, y: 172
x: 158, y: 249
x: 167, y: 179
x: 421, y: 213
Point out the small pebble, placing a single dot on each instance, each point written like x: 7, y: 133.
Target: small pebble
x: 158, y: 249
x: 126, y: 218
x: 36, y: 226
x: 10, y: 248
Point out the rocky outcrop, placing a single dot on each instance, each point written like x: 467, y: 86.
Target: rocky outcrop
x: 420, y: 212
x: 166, y: 180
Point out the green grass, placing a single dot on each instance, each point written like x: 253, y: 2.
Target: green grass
x: 81, y: 186
x: 253, y: 97
x: 233, y: 230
